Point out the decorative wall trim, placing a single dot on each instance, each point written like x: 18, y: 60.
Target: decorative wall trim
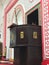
x: 7, y: 9
x: 31, y: 8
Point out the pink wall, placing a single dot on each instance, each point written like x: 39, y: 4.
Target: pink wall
x: 45, y: 31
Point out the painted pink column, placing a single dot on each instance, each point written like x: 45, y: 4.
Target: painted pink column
x: 7, y: 9
x: 45, y: 31
x: 4, y: 34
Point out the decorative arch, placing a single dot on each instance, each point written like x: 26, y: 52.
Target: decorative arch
x: 19, y: 8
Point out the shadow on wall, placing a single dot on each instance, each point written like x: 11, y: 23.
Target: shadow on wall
x: 1, y: 50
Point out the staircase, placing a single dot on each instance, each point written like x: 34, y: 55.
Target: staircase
x: 3, y: 61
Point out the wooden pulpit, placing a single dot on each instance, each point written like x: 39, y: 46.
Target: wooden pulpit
x: 27, y: 44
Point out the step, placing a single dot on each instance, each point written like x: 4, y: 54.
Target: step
x: 5, y: 62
